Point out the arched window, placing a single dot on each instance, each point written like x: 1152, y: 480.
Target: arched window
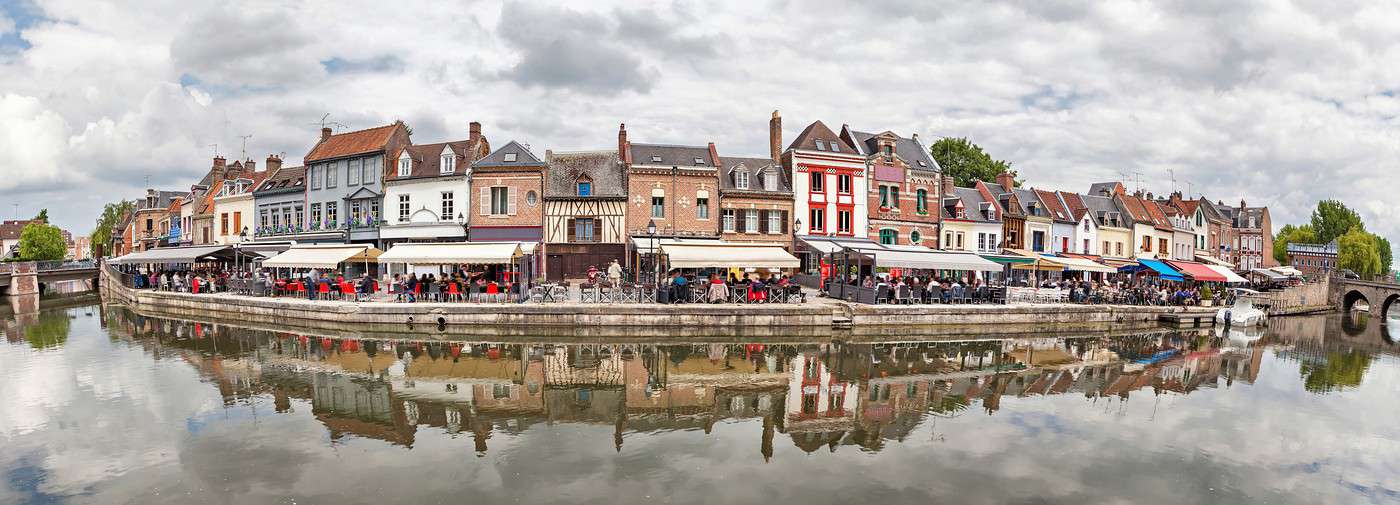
x: 915, y: 237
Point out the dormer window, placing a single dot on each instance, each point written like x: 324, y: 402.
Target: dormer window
x: 741, y: 179
x: 770, y: 180
x: 656, y: 158
x: 405, y: 165
x: 699, y: 160
x: 820, y: 145
x: 508, y: 158
x: 889, y: 150
x: 923, y: 163
x: 448, y: 161
x: 835, y: 148
x: 584, y: 187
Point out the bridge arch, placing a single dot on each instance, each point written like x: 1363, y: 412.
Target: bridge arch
x: 1387, y: 305
x: 1349, y: 300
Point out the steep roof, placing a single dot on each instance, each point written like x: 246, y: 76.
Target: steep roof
x: 11, y: 229
x: 817, y: 131
x: 1030, y: 203
x: 1057, y: 209
x: 1099, y: 188
x: 502, y: 157
x: 1103, y: 208
x: 427, y: 160
x: 1074, y: 203
x: 672, y: 155
x: 908, y: 149
x: 602, y: 168
x: 163, y: 200
x: 972, y: 201
x: 206, y: 201
x: 755, y: 166
x: 1154, y: 211
x: 286, y: 179
x: 352, y: 143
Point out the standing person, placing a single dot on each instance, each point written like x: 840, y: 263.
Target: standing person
x: 592, y: 274
x: 614, y: 273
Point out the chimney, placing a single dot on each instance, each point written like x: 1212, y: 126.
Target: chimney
x: 249, y: 166
x: 219, y: 168
x: 274, y: 162
x: 1149, y: 195
x: 714, y: 154
x: 624, y: 152
x: 1007, y: 180
x: 775, y: 137
x: 1241, y: 204
x: 947, y: 185
x: 325, y: 133
x: 474, y: 129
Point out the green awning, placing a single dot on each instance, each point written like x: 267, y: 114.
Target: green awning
x: 1008, y: 260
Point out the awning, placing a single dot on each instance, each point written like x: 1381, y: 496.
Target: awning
x: 1007, y: 259
x: 728, y: 255
x: 1272, y: 275
x: 1084, y: 265
x: 452, y: 253
x: 928, y: 259
x: 1230, y: 276
x: 643, y: 244
x: 1288, y: 271
x: 1212, y: 260
x: 828, y: 245
x: 1037, y: 262
x: 1162, y: 269
x: 1197, y: 271
x: 172, y: 255
x: 322, y: 255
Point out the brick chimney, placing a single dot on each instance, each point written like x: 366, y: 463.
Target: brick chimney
x: 624, y: 150
x: 274, y: 162
x: 249, y: 166
x: 714, y: 154
x: 775, y: 137
x: 474, y: 132
x: 325, y: 133
x: 219, y: 168
x: 1149, y: 195
x: 947, y: 185
x: 1007, y: 180
x: 1241, y: 204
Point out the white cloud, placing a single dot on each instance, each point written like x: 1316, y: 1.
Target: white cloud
x: 1268, y: 102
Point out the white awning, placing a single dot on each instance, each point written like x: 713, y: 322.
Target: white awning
x: 923, y: 258
x: 1212, y: 260
x: 828, y: 245
x: 529, y: 247
x: 453, y: 253
x: 170, y: 255
x: 728, y: 255
x: 643, y: 244
x: 322, y: 255
x: 1084, y: 265
x: 1230, y: 276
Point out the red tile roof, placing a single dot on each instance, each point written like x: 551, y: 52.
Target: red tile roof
x: 352, y: 143
x: 1052, y: 203
x: 1076, y: 205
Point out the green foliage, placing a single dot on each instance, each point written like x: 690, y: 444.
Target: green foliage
x: 1332, y: 219
x: 50, y: 330
x: 111, y: 218
x: 1292, y: 234
x: 1206, y: 293
x: 41, y: 242
x: 1383, y: 248
x: 1356, y: 251
x: 966, y: 162
x: 1343, y: 370
x: 43, y: 215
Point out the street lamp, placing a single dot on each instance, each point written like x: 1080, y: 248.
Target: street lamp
x: 462, y: 221
x: 238, y: 248
x: 655, y: 267
x: 796, y: 225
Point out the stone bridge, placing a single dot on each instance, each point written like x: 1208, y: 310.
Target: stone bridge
x: 1380, y: 297
x: 22, y: 278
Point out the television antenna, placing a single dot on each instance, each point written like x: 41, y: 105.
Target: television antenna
x: 216, y: 149
x: 245, y: 145
x: 324, y: 123
x: 1171, y: 172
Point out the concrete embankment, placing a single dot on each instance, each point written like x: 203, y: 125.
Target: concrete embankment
x: 754, y: 319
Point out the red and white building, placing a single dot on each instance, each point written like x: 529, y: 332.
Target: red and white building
x: 829, y: 184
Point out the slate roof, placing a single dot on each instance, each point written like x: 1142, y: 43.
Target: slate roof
x: 972, y: 202
x: 1102, y: 208
x: 352, y: 143
x: 1098, y: 188
x: 1329, y: 248
x: 1243, y: 214
x: 523, y: 157
x: 755, y: 166
x: 287, y: 179
x: 427, y: 160
x: 908, y: 149
x: 1026, y: 198
x: 672, y: 155
x: 817, y: 131
x: 1057, y: 209
x: 603, y: 169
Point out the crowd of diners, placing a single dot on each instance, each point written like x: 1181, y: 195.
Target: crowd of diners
x: 1120, y: 289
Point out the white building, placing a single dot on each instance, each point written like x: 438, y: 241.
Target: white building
x: 829, y: 185
x: 427, y: 196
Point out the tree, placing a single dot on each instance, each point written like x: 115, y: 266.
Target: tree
x: 1383, y: 248
x: 1356, y: 251
x: 966, y: 162
x: 111, y: 217
x: 43, y: 216
x: 1290, y: 234
x: 1332, y: 219
x: 41, y: 242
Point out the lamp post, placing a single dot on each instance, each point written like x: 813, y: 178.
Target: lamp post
x: 796, y: 225
x: 238, y: 248
x: 655, y: 267
x: 462, y: 221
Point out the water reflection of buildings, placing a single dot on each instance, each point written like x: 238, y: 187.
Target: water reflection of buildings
x: 821, y: 394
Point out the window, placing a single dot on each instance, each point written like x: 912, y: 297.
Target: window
x: 223, y: 224
x: 921, y: 201
x: 508, y: 157
x: 405, y: 165
x: 658, y: 207
x: 315, y: 181
x: 741, y: 179
x: 915, y: 237
x: 776, y: 221
x: 1118, y: 249
x: 770, y: 180
x: 726, y: 217
x: 960, y: 241
x: 1162, y: 246
x: 888, y: 236
x: 449, y: 163
x: 1086, y: 225
x: 947, y: 239
x: 238, y: 222
x: 500, y: 201
x: 884, y: 197
x: 1146, y: 244
x: 821, y: 146
x: 702, y: 207
x: 371, y: 165
x: 403, y: 208
x: 316, y: 215
x: 374, y: 208
x: 583, y: 230
x: 843, y: 221
x: 981, y: 241
x: 1038, y: 241
x: 656, y: 158
x: 1086, y: 247
x: 531, y: 197
x: 1106, y: 247
x: 751, y: 221
x: 331, y: 169
x: 843, y: 184
x: 448, y: 210
x: 585, y: 188
x: 818, y: 182
x: 816, y: 220
x: 357, y: 212
x: 889, y: 150
x: 352, y: 173
x: 894, y: 197
x: 699, y: 160
x: 835, y: 147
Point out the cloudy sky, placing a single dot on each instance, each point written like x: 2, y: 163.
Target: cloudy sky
x: 1274, y: 102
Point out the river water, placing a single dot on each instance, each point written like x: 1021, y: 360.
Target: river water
x: 102, y: 405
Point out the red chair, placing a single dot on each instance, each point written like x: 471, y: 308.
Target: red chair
x: 347, y: 291
x: 417, y: 291
x: 492, y: 290
x: 323, y: 290
x: 298, y: 289
x: 452, y: 292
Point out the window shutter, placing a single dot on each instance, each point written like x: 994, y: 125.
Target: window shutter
x: 783, y: 216
x: 740, y: 223
x: 763, y: 221
x: 485, y: 194
x: 510, y: 201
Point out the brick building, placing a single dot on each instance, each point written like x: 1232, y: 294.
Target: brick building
x: 1313, y: 259
x: 755, y: 201
x: 904, y: 186
x: 1254, y: 238
x: 674, y: 186
x: 509, y: 183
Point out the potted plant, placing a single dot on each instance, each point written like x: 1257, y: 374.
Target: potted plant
x: 1207, y: 297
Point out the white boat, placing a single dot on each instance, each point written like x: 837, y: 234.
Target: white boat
x: 1242, y: 313
x: 1238, y: 338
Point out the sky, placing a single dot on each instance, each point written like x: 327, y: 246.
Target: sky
x: 1273, y: 102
